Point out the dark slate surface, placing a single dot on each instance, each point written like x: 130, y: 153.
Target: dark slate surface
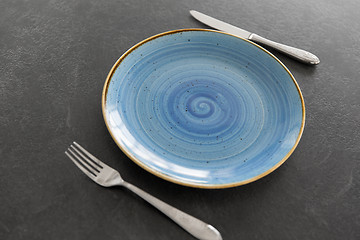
x: 54, y: 58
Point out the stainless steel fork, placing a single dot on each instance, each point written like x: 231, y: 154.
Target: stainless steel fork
x: 106, y: 176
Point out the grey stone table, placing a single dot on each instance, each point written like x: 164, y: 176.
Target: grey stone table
x: 54, y: 58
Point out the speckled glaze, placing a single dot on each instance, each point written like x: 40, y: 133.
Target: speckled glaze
x: 203, y: 108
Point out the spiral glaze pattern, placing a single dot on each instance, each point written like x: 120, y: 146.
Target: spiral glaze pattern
x: 203, y: 108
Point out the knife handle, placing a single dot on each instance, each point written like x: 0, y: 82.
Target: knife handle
x: 298, y: 54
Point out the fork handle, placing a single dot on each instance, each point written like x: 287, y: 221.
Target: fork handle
x: 194, y: 226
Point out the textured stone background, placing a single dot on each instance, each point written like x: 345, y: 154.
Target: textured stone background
x: 54, y: 58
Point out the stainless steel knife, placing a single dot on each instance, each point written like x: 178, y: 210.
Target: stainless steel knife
x: 298, y: 54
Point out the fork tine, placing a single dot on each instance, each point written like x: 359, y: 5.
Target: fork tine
x: 82, y: 168
x: 92, y: 157
x: 86, y: 159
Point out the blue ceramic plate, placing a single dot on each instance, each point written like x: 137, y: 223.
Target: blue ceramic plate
x: 203, y: 108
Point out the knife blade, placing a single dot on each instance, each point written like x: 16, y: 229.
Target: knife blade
x: 295, y: 53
